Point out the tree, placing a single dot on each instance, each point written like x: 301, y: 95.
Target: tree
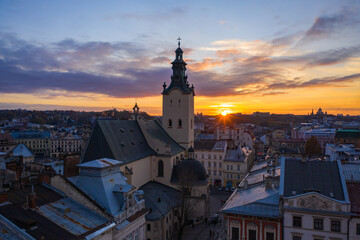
x: 312, y: 146
x: 186, y: 179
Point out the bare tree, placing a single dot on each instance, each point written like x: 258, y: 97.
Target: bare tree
x: 186, y: 180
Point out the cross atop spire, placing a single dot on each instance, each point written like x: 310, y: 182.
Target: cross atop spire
x: 179, y: 38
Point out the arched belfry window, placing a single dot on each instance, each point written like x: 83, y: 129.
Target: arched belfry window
x: 160, y: 169
x: 180, y: 123
x: 170, y: 123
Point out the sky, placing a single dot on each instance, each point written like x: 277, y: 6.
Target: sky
x: 243, y: 56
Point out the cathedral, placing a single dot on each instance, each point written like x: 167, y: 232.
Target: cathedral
x: 157, y: 158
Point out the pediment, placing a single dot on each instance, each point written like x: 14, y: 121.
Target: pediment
x: 314, y: 202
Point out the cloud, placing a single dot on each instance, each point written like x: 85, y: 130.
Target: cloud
x: 128, y: 69
x: 327, y: 25
x: 206, y: 64
x: 316, y: 82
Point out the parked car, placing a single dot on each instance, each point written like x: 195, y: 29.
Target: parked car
x: 232, y: 189
x: 220, y: 189
x: 227, y: 189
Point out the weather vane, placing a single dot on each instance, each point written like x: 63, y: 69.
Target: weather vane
x: 179, y: 41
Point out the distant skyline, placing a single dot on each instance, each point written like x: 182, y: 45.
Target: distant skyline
x: 242, y: 56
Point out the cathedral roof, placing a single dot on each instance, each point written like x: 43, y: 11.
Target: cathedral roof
x: 126, y: 141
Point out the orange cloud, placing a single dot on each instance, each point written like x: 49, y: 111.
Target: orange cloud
x: 206, y: 64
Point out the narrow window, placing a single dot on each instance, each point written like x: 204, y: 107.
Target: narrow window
x: 180, y: 123
x: 235, y: 233
x: 252, y: 234
x: 160, y: 169
x: 170, y: 123
x: 296, y: 221
x: 335, y: 226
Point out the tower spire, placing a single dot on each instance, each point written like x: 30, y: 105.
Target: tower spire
x: 179, y: 39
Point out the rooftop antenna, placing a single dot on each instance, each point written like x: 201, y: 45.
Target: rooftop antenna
x: 179, y: 38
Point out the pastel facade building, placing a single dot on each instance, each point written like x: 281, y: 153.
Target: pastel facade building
x: 252, y: 212
x: 37, y: 141
x: 212, y: 154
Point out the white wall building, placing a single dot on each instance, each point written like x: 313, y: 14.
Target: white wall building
x: 342, y: 152
x: 315, y: 200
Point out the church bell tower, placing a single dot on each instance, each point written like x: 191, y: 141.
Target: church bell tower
x: 178, y: 103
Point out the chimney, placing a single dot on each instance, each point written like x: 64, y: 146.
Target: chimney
x: 70, y: 168
x: 31, y: 198
x: 268, y: 183
x: 246, y: 184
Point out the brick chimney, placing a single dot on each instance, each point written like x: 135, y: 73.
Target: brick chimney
x: 70, y: 168
x: 31, y: 198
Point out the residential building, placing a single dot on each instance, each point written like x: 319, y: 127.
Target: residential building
x: 238, y: 134
x: 342, y: 152
x: 101, y: 187
x: 23, y: 151
x: 212, y: 154
x: 298, y: 144
x: 43, y: 212
x: 351, y: 172
x: 252, y: 211
x: 347, y: 136
x: 37, y: 141
x: 236, y: 165
x: 6, y: 142
x: 162, y: 202
x: 323, y: 136
x: 278, y: 134
x: 315, y: 200
x: 65, y: 145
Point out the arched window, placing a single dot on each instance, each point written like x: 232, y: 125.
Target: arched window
x: 170, y: 123
x: 180, y: 123
x: 160, y: 169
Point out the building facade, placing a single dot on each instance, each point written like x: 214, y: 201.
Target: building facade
x: 37, y: 141
x: 63, y: 145
x: 314, y: 207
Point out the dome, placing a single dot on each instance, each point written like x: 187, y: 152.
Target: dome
x: 189, y: 172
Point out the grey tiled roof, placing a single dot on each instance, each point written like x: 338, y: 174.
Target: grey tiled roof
x: 351, y: 171
x: 124, y: 140
x: 160, y: 199
x: 320, y: 176
x: 117, y: 139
